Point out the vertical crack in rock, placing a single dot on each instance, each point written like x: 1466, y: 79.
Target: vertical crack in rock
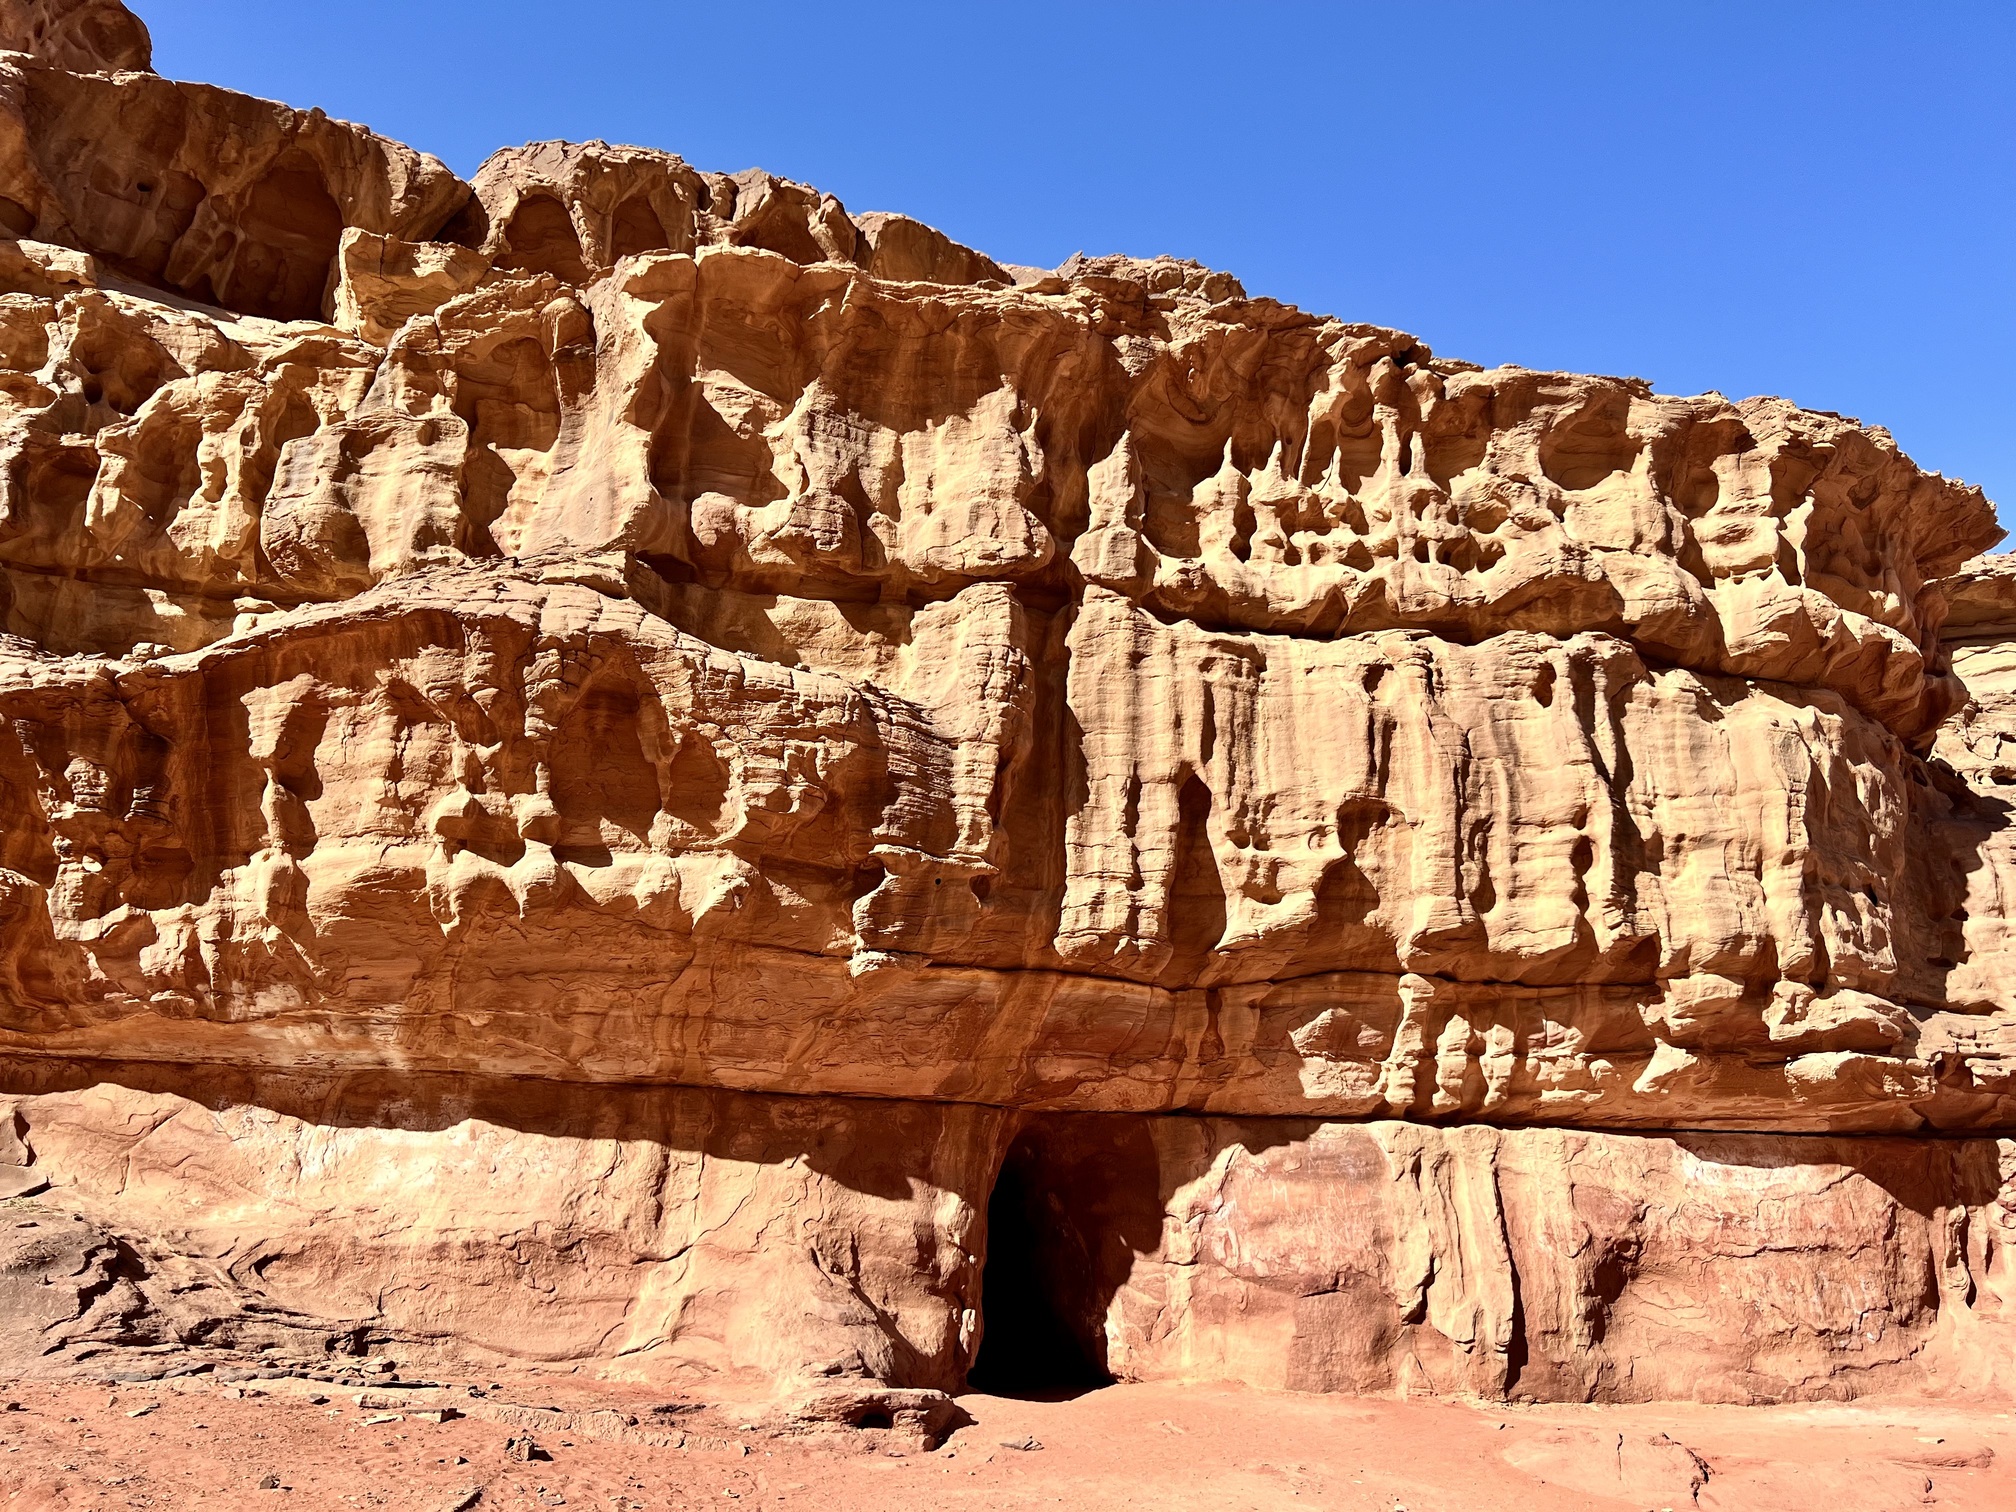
x: 621, y: 762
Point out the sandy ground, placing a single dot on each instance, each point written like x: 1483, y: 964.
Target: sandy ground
x: 198, y: 1443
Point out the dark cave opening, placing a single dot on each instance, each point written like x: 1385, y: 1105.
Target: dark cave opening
x: 1037, y: 1336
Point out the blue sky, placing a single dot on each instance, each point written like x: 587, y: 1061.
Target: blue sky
x: 1815, y: 199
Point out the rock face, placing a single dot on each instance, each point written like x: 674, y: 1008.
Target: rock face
x: 616, y: 765
x: 88, y: 36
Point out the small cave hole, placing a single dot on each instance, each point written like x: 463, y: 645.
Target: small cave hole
x: 541, y: 238
x: 875, y: 1419
x: 636, y: 230
x: 1030, y: 1345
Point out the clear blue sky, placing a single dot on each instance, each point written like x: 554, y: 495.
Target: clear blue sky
x: 1814, y: 198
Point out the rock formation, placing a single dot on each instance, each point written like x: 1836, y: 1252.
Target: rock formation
x: 617, y: 766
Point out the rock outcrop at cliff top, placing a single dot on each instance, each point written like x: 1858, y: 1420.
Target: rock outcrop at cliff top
x: 622, y: 735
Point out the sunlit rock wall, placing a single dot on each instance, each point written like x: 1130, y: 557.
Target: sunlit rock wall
x: 620, y: 637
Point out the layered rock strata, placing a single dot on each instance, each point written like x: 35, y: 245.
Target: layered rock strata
x: 623, y: 736
x: 742, y: 1240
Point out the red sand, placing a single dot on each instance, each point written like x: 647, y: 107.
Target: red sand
x: 1163, y: 1447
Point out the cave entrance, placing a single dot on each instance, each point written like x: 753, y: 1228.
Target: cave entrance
x: 1042, y: 1320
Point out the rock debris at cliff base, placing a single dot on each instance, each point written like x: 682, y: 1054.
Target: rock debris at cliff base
x: 615, y: 765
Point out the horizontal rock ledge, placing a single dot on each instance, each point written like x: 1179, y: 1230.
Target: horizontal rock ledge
x: 1340, y: 1045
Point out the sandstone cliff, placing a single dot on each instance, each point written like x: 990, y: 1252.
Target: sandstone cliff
x: 624, y: 736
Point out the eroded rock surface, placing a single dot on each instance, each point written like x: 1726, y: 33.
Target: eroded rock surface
x: 676, y: 1233
x: 669, y: 661
x: 89, y: 36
